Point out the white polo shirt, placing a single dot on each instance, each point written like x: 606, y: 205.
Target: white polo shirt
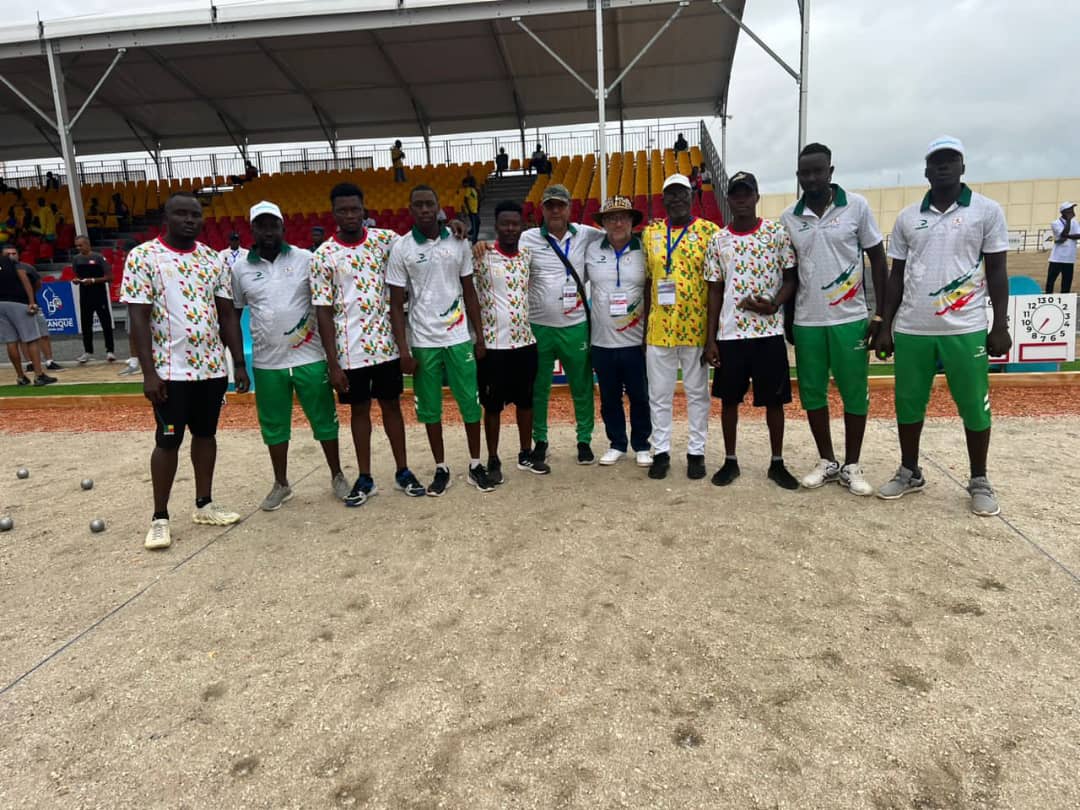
x: 944, y: 278
x: 833, y: 289
x: 431, y: 270
x: 502, y: 285
x: 621, y: 274
x: 352, y: 279
x: 548, y: 275
x: 1064, y: 253
x: 284, y: 333
x: 229, y: 256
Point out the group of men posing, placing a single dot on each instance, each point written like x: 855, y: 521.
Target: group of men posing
x: 370, y: 306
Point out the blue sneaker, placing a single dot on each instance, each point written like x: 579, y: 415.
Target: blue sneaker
x: 363, y: 489
x: 405, y: 481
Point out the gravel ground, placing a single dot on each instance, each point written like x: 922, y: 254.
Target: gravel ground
x: 590, y: 639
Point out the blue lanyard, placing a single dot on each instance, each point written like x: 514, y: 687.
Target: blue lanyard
x: 672, y: 248
x: 619, y: 255
x: 565, y: 253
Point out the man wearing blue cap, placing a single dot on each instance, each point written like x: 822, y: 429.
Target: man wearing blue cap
x: 948, y: 254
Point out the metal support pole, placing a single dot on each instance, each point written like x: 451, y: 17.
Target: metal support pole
x: 674, y: 16
x: 90, y: 96
x: 63, y: 130
x: 791, y: 71
x: 601, y: 100
x: 554, y: 55
x: 804, y: 57
x: 28, y: 102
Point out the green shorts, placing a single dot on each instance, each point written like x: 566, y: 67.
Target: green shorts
x: 460, y: 366
x: 841, y: 348
x: 274, y: 389
x: 967, y: 368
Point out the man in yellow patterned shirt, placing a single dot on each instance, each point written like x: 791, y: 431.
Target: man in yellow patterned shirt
x: 675, y: 312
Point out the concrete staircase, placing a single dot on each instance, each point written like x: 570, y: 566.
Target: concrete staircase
x: 508, y: 187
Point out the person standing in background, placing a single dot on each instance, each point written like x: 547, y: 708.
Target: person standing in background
x: 1066, y: 230
x: 93, y: 277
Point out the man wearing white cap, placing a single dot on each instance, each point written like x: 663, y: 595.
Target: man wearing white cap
x: 676, y: 307
x: 274, y: 281
x: 948, y: 253
x: 182, y: 317
x: 1066, y: 230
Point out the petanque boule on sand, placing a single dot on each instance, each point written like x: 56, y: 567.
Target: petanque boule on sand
x: 97, y: 525
x: 6, y: 524
x: 22, y: 473
x: 87, y: 483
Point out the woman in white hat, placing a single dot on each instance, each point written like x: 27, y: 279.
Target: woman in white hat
x: 615, y: 269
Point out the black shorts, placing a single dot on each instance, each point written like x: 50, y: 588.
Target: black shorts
x: 380, y: 381
x: 763, y: 360
x: 195, y: 405
x: 506, y: 377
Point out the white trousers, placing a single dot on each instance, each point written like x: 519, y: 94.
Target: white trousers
x: 662, y: 364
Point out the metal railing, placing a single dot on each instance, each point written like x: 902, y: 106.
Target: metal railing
x: 716, y: 170
x: 225, y: 162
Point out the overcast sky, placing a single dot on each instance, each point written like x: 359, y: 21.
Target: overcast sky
x: 885, y: 78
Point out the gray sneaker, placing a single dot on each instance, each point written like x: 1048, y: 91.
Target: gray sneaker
x: 983, y: 502
x: 340, y: 486
x: 902, y: 483
x: 278, y: 495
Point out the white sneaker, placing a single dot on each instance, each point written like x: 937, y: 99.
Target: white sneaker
x: 214, y: 515
x: 644, y: 458
x: 158, y: 537
x: 826, y: 472
x: 110, y: 357
x: 84, y: 358
x: 130, y: 368
x: 851, y: 476
x: 611, y: 456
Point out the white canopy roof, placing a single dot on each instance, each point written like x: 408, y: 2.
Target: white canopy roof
x: 338, y: 69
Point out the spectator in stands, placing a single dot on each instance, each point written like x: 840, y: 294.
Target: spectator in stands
x: 47, y: 219
x: 93, y: 277
x: 57, y: 216
x: 706, y: 176
x: 47, y: 360
x: 180, y: 302
x: 251, y: 171
x: 397, y: 158
x: 470, y: 204
x: 121, y: 212
x: 4, y: 187
x: 7, y: 236
x: 18, y: 321
x: 95, y: 220
x: 318, y: 236
x: 27, y: 224
x: 52, y: 182
x: 681, y: 145
x: 369, y: 220
x: 233, y: 252
x: 696, y: 183
x: 539, y: 161
x: 1065, y: 231
x: 502, y: 162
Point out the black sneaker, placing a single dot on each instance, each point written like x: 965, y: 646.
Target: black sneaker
x: 363, y: 489
x: 52, y: 365
x: 539, y: 452
x: 405, y: 481
x: 23, y: 381
x: 494, y: 470
x: 726, y: 474
x: 525, y: 461
x: 779, y: 473
x: 478, y: 477
x: 661, y: 462
x: 585, y: 454
x: 695, y: 467
x: 44, y: 379
x: 440, y: 484
x: 29, y: 367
